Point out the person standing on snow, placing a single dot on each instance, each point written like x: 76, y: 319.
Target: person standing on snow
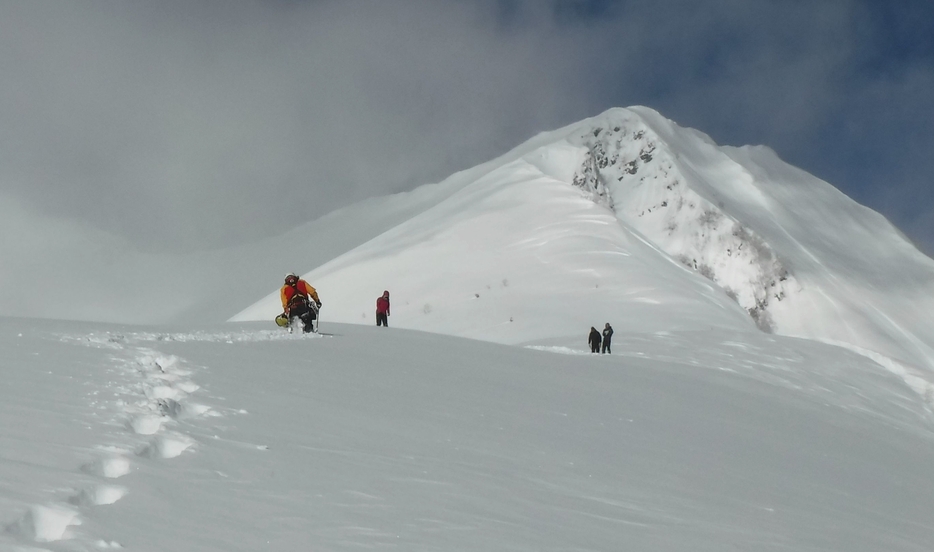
x: 382, y: 310
x: 297, y: 295
x: 607, y: 336
x: 594, y: 340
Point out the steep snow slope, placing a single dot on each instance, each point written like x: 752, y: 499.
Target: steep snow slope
x: 570, y: 229
x: 516, y: 256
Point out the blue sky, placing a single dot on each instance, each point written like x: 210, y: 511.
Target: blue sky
x: 186, y: 125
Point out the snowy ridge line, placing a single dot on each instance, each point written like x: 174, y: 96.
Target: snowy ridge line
x: 151, y: 401
x: 916, y: 380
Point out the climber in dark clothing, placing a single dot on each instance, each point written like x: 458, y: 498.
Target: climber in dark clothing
x: 594, y: 340
x: 607, y: 337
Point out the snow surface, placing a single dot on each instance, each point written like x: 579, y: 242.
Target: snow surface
x: 770, y: 386
x: 243, y: 437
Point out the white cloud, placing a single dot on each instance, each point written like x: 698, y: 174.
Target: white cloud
x: 183, y: 125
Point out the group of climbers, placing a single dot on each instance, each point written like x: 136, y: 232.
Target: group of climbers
x: 300, y: 303
x: 595, y: 339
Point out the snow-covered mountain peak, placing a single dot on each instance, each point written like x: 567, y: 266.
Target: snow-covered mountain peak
x: 628, y: 217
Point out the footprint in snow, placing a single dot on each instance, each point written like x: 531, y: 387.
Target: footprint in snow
x: 110, y: 467
x: 166, y: 446
x: 163, y: 392
x: 146, y: 424
x: 179, y: 411
x: 98, y: 495
x: 45, y: 523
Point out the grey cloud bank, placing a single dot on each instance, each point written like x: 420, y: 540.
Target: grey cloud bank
x: 191, y: 125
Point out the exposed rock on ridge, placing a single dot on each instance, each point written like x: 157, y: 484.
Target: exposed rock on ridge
x: 631, y: 170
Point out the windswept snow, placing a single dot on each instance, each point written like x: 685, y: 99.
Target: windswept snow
x: 372, y: 438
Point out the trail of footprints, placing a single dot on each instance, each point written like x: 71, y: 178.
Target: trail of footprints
x: 152, y: 393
